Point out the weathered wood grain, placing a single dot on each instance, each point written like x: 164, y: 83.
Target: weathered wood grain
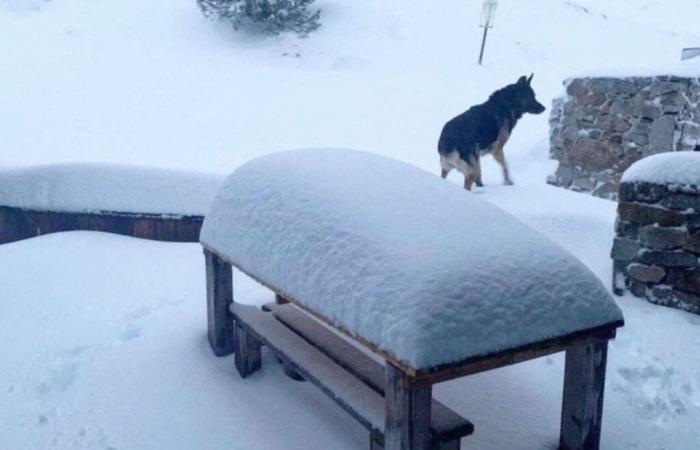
x: 17, y: 224
x: 353, y: 396
x: 248, y: 352
x: 407, y: 412
x: 219, y: 279
x: 447, y: 427
x: 584, y: 386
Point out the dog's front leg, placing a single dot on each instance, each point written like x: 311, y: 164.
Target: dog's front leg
x: 500, y: 157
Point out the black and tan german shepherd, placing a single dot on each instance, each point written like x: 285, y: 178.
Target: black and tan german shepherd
x: 483, y: 129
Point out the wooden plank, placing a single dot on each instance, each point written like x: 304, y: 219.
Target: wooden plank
x: 468, y: 366
x: 407, y: 412
x: 584, y: 386
x: 219, y: 299
x: 18, y: 223
x: 358, y: 400
x: 447, y: 426
x: 248, y: 352
x: 516, y: 355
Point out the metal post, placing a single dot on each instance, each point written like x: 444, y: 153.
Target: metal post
x: 488, y: 12
x: 483, y: 44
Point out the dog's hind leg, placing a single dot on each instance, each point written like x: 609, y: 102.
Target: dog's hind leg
x: 501, y: 158
x: 445, y: 167
x: 469, y: 179
x: 479, y: 183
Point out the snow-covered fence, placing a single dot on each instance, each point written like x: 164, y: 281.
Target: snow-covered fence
x: 436, y: 282
x: 656, y: 251
x: 604, y: 125
x: 157, y: 204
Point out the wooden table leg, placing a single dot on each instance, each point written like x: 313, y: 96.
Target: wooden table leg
x: 407, y: 412
x: 219, y: 299
x: 248, y: 354
x: 582, y: 406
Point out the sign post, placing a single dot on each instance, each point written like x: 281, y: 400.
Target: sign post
x: 488, y: 13
x: 689, y: 53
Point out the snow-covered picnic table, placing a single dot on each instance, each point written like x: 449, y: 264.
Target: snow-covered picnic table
x: 436, y: 281
x: 139, y: 201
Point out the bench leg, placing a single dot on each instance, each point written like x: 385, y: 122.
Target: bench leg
x: 408, y: 407
x: 582, y: 408
x: 248, y: 354
x: 219, y: 299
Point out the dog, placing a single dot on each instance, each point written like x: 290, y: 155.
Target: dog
x: 484, y: 129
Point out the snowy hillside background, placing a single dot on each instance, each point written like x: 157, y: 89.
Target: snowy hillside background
x: 104, y: 336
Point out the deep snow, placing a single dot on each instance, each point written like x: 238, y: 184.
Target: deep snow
x: 397, y: 257
x: 666, y: 168
x: 90, y: 187
x: 104, y: 336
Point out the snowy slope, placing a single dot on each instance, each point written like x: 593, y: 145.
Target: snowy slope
x: 119, y: 359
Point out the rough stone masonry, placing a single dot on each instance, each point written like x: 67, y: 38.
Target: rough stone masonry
x: 656, y: 251
x: 603, y: 125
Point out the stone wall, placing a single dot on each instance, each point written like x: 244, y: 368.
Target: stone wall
x: 657, y: 245
x: 603, y: 125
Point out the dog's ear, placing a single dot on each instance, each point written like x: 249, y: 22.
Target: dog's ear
x: 522, y: 80
x: 529, y: 80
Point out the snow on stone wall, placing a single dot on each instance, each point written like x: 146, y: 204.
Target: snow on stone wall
x: 604, y: 125
x: 656, y: 251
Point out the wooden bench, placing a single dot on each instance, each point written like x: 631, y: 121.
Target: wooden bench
x: 338, y: 254
x: 157, y: 204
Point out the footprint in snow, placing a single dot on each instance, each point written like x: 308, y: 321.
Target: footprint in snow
x: 651, y: 393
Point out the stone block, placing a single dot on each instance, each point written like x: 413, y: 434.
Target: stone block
x: 646, y: 274
x: 591, y: 100
x: 642, y: 192
x: 637, y: 288
x: 667, y: 258
x: 686, y: 301
x: 606, y: 190
x: 681, y: 201
x: 662, y: 134
x: 624, y: 249
x: 693, y: 244
x: 585, y: 184
x: 564, y: 175
x: 660, y: 294
x: 626, y: 229
x: 644, y: 214
x: 591, y: 155
x: 663, y: 238
x: 685, y: 279
x: 576, y: 88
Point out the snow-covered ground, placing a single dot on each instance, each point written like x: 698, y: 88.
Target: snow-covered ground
x: 104, y: 336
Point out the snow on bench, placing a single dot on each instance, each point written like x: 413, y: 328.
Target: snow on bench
x: 146, y: 202
x: 410, y: 265
x: 436, y: 281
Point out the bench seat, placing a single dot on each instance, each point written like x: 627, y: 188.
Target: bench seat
x: 331, y: 364
x: 150, y: 203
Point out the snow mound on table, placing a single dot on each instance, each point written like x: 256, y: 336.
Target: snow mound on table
x: 84, y: 187
x: 409, y: 263
x: 666, y: 168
